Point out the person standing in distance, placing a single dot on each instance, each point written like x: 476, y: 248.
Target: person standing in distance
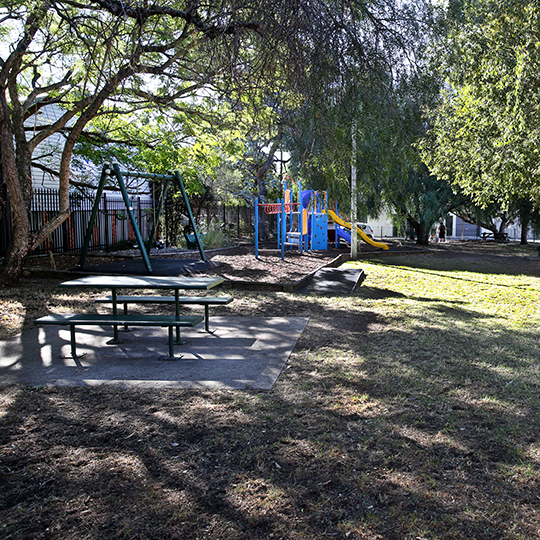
x: 442, y: 233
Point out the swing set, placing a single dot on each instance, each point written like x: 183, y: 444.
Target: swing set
x: 114, y: 172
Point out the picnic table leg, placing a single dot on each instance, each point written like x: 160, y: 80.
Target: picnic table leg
x: 115, y: 340
x: 126, y: 328
x: 171, y: 346
x: 73, y: 344
x: 179, y: 340
x: 207, y: 319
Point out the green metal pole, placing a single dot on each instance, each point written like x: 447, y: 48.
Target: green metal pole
x: 190, y: 214
x: 149, y: 176
x: 95, y: 209
x: 125, y: 196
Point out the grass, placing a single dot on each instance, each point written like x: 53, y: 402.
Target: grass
x: 476, y: 325
x: 408, y: 410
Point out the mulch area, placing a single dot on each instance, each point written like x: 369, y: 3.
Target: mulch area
x: 235, y: 263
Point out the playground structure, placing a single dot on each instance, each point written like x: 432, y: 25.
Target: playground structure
x: 304, y: 224
x: 166, y: 179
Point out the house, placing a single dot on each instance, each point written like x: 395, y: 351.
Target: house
x: 48, y: 152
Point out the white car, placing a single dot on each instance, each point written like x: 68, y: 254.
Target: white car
x: 366, y: 228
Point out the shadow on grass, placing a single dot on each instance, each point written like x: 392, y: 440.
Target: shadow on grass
x: 383, y: 425
x: 495, y: 259
x: 445, y: 273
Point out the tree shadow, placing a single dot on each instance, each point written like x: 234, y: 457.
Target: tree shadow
x: 368, y: 433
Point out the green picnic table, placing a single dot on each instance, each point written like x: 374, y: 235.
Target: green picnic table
x: 116, y: 283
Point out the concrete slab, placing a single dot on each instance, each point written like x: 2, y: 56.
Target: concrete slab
x: 243, y: 352
x: 333, y: 281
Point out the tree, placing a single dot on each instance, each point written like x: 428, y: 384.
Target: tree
x: 383, y: 93
x: 485, y: 133
x: 494, y: 218
x: 107, y: 58
x: 490, y: 217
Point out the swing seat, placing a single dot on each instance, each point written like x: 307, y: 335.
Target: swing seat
x: 191, y: 241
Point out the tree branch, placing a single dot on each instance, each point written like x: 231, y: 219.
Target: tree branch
x: 142, y: 14
x: 31, y: 106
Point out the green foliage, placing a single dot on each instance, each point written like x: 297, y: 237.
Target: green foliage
x: 490, y: 216
x: 215, y: 238
x: 485, y: 132
x: 157, y: 143
x: 383, y: 98
x: 421, y: 199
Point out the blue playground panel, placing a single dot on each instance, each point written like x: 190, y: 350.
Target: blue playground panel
x: 319, y: 232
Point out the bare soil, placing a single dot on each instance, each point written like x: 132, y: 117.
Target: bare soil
x: 234, y: 263
x: 330, y: 452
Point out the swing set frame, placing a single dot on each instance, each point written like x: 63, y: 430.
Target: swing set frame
x: 114, y: 171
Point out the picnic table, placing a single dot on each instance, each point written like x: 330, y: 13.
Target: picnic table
x: 116, y: 283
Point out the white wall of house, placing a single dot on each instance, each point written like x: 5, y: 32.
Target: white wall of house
x: 382, y: 225
x: 49, y: 151
x: 466, y: 231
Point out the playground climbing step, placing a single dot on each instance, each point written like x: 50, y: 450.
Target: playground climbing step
x: 335, y: 281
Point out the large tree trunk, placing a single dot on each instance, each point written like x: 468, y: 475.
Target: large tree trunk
x: 524, y: 233
x: 421, y: 231
x: 422, y: 234
x: 18, y: 248
x: 16, y: 168
x: 265, y: 167
x: 525, y: 220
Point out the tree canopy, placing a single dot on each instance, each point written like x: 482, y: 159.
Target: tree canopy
x: 105, y: 59
x: 485, y: 134
x: 379, y: 102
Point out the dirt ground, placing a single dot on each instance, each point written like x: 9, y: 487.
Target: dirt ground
x: 311, y: 459
x: 235, y: 263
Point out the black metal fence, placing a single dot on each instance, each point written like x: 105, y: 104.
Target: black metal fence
x: 112, y: 229
x: 235, y: 221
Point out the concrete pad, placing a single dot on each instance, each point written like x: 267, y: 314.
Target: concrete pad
x: 333, y: 281
x: 243, y: 352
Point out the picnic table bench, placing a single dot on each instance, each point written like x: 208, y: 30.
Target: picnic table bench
x: 205, y: 301
x: 96, y: 319
x: 500, y: 237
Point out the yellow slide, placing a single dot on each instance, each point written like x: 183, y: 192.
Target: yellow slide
x: 362, y: 234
